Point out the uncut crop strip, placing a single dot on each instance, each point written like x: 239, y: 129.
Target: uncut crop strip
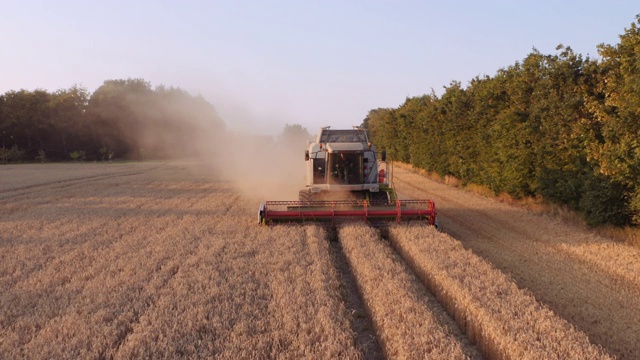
x: 164, y: 264
x: 408, y: 322
x: 505, y: 322
x: 561, y: 264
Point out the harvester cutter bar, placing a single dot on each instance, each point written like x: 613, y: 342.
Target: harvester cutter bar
x: 275, y: 211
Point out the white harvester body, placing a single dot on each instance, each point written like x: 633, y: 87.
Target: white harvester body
x: 344, y: 161
x: 346, y: 180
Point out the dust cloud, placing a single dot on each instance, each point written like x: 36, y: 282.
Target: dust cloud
x: 261, y: 167
x: 186, y: 128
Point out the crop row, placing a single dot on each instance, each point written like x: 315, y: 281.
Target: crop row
x: 504, y: 321
x: 591, y: 281
x: 409, y: 323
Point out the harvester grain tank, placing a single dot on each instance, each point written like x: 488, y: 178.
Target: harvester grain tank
x: 347, y: 179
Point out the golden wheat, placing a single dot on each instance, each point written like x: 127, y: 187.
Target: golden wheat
x: 18, y: 177
x: 506, y: 322
x: 589, y: 280
x: 603, y: 255
x: 164, y: 263
x: 409, y: 324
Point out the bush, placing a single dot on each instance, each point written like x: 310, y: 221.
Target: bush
x: 13, y: 154
x: 605, y: 201
x: 77, y: 155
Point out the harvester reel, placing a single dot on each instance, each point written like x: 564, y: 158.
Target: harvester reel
x: 333, y: 211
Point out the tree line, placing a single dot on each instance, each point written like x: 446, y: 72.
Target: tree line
x: 560, y: 126
x: 124, y: 119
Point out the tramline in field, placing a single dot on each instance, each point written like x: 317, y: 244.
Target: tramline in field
x: 346, y: 181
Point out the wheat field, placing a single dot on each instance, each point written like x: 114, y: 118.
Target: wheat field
x: 506, y: 322
x: 166, y: 260
x: 408, y: 321
x: 586, y: 279
x: 159, y: 262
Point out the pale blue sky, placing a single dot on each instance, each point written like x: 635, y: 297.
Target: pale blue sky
x: 315, y: 63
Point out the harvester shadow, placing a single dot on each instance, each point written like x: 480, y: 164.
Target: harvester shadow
x: 361, y: 324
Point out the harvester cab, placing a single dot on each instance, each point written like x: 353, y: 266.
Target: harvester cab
x: 343, y: 164
x: 346, y: 179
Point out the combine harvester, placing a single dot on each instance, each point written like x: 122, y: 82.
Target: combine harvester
x: 347, y: 182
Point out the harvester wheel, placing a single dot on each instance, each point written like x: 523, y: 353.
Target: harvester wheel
x: 438, y: 226
x: 261, y: 219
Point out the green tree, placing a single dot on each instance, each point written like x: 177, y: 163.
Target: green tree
x: 614, y: 129
x: 384, y: 133
x: 26, y: 120
x: 69, y: 124
x: 557, y: 106
x: 427, y: 148
x: 116, y: 111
